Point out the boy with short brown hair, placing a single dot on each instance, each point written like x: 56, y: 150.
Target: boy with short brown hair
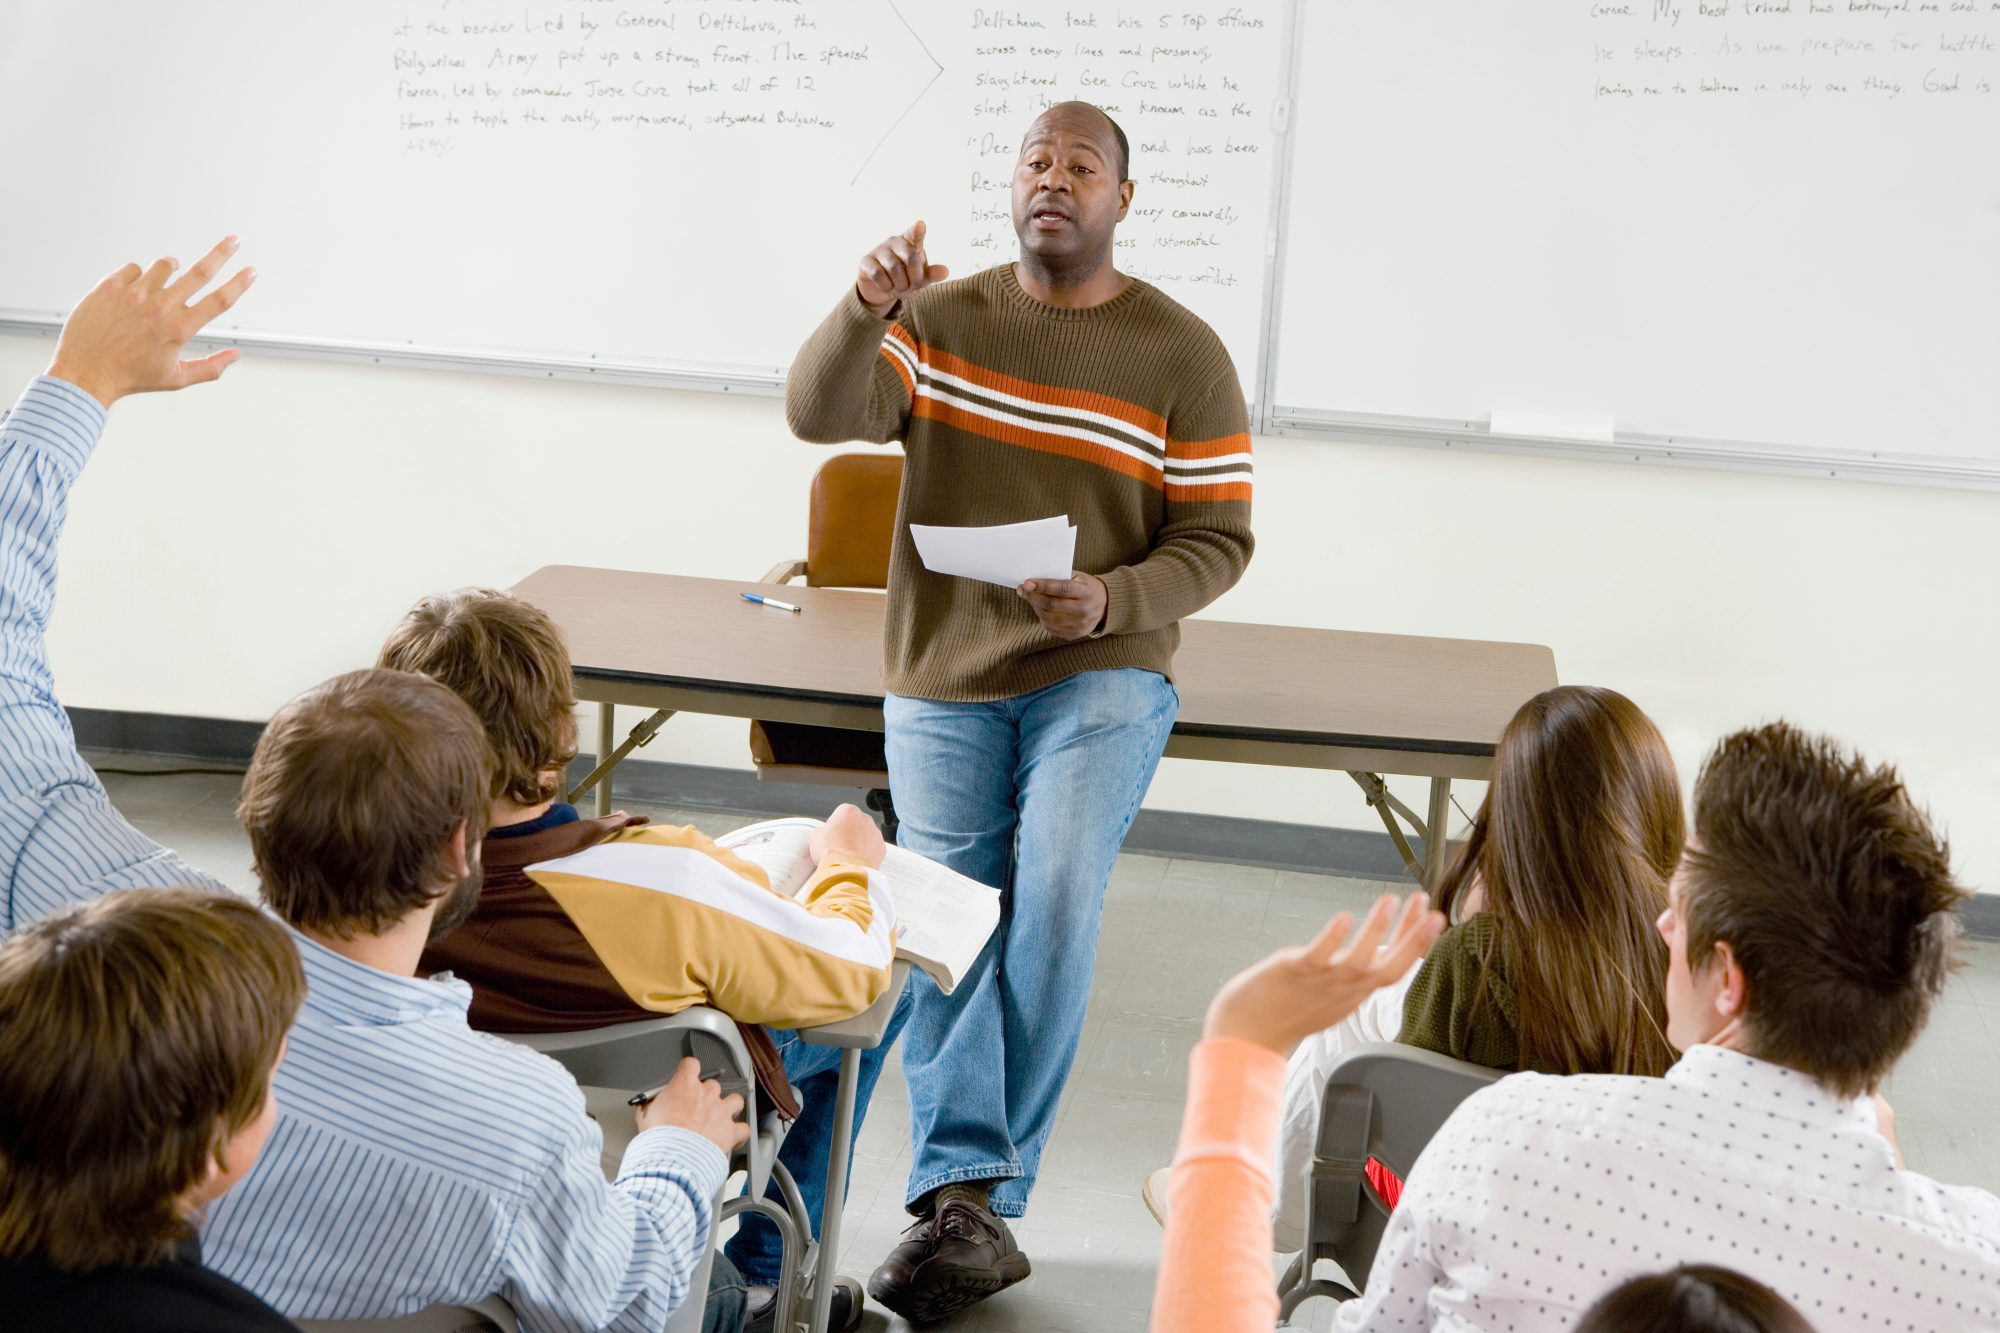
x: 138, y: 1036
x: 532, y: 967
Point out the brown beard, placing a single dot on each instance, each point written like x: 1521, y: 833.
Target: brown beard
x: 459, y: 901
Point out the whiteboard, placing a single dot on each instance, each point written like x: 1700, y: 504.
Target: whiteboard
x: 680, y: 186
x: 1762, y: 226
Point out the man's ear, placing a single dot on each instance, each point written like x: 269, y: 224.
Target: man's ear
x: 1732, y: 995
x: 454, y: 853
x: 1124, y: 199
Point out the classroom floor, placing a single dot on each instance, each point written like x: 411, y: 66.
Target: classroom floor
x: 1173, y: 931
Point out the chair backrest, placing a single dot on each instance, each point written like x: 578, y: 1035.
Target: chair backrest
x: 852, y: 520
x: 491, y: 1315
x: 1385, y: 1101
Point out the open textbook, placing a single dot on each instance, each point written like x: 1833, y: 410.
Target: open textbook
x: 946, y: 918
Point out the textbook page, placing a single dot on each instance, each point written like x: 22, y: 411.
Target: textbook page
x: 946, y: 918
x: 943, y: 919
x: 779, y: 847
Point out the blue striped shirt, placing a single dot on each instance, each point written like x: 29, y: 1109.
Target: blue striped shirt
x: 61, y: 841
x: 414, y: 1161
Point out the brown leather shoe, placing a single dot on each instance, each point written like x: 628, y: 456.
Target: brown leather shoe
x: 951, y: 1261
x: 896, y: 1271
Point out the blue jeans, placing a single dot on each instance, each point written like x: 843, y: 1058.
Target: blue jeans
x: 1032, y: 795
x: 723, y: 1310
x: 814, y: 1073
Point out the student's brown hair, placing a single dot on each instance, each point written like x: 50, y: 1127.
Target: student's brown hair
x: 508, y: 660
x: 1834, y: 893
x: 1694, y: 1298
x: 353, y: 794
x: 137, y: 1033
x: 1575, y: 843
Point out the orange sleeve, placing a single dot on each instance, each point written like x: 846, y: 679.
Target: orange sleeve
x: 1215, y: 1270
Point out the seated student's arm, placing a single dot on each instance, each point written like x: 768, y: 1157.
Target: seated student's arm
x: 856, y: 376
x: 1215, y: 1272
x: 622, y: 1257
x: 721, y: 936
x: 60, y: 839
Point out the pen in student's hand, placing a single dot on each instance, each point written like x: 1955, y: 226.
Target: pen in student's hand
x: 641, y: 1098
x: 771, y: 601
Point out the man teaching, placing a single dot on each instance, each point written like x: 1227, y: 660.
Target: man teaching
x: 1024, y: 724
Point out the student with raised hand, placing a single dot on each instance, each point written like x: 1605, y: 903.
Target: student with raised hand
x: 1811, y: 926
x: 60, y: 839
x: 138, y: 1036
x: 533, y: 967
x: 1554, y: 963
x: 1694, y: 1298
x: 414, y: 1161
x: 1215, y: 1271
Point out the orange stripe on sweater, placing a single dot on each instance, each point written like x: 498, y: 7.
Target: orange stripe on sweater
x: 1238, y: 443
x: 1184, y: 493
x: 1041, y: 441
x: 1116, y: 408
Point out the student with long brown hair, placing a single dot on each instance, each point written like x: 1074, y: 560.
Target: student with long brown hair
x: 1553, y: 963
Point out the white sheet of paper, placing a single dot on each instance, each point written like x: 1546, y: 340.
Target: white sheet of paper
x: 1006, y: 555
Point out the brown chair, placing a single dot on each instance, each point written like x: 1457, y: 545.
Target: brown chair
x: 850, y: 524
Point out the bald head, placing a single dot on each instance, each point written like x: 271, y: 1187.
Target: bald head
x: 1070, y: 193
x: 1085, y: 121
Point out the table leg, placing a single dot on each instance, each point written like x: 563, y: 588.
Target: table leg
x: 827, y: 1265
x: 607, y: 727
x: 1437, y: 824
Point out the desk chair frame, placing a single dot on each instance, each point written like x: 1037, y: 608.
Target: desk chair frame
x: 633, y: 1056
x: 491, y: 1315
x: 1386, y: 1101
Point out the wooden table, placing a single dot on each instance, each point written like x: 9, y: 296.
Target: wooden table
x: 1366, y: 704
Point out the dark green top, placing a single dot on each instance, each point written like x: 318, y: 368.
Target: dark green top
x: 1454, y: 1010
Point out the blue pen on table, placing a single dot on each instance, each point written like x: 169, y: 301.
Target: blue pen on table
x: 771, y: 601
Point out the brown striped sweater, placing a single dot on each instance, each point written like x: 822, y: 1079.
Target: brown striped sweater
x: 1127, y: 416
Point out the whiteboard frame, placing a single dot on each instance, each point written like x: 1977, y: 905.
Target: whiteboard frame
x: 1263, y: 412
x: 753, y: 381
x: 1659, y: 450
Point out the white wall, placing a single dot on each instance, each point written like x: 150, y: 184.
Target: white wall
x: 234, y: 544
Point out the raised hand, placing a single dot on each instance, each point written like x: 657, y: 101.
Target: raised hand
x: 126, y: 335
x: 1068, y: 608
x: 1304, y: 989
x: 896, y: 269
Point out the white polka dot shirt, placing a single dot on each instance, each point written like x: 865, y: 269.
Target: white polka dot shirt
x: 1540, y: 1194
